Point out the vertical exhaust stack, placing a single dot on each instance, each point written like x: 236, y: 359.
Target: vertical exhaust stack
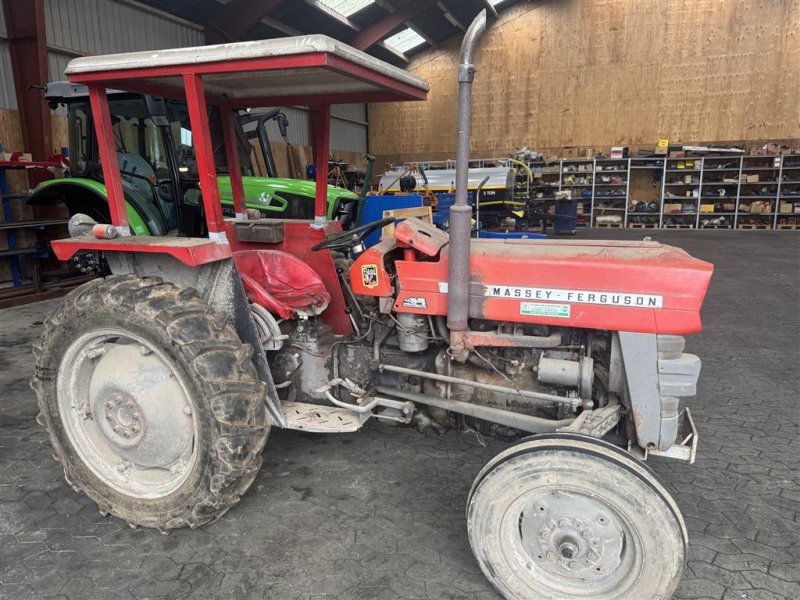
x: 460, y: 212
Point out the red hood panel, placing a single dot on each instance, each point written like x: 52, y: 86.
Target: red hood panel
x: 628, y: 286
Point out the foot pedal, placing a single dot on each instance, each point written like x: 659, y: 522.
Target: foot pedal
x: 322, y: 419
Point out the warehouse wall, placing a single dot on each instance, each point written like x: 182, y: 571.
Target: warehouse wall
x: 564, y: 74
x: 105, y: 26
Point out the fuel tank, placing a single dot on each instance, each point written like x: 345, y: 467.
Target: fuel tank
x: 645, y: 287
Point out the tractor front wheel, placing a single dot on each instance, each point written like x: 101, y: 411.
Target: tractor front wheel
x: 568, y: 516
x: 151, y: 401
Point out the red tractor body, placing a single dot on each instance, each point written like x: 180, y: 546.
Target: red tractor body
x: 645, y: 287
x: 158, y: 385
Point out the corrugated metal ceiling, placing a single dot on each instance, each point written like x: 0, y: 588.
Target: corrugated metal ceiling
x: 293, y: 17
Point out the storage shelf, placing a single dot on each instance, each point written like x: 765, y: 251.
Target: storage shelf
x: 703, y: 170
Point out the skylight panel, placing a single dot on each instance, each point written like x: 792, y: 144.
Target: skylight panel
x: 347, y: 7
x: 404, y: 40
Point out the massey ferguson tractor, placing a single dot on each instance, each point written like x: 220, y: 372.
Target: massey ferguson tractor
x: 159, y: 384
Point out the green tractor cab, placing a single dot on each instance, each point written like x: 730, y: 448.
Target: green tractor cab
x: 157, y: 162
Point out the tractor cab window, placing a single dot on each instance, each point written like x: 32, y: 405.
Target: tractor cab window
x: 150, y: 158
x: 80, y: 132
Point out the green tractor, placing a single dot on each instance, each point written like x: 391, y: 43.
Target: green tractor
x: 157, y: 162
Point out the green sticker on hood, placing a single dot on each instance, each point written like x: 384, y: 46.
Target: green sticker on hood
x: 542, y: 309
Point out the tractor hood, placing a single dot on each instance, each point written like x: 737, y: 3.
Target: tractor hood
x: 643, y: 287
x: 275, y: 186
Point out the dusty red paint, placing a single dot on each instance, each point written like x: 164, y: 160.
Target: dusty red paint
x: 610, y: 267
x: 299, y: 236
x: 190, y: 251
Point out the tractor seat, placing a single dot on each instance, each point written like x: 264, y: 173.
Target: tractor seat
x: 281, y: 283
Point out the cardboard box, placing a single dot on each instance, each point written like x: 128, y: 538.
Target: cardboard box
x: 707, y: 208
x: 728, y: 207
x: 758, y: 207
x: 670, y: 207
x: 619, y: 152
x: 787, y: 207
x: 750, y: 178
x: 662, y: 148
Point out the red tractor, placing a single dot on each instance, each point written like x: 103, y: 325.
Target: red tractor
x: 159, y: 384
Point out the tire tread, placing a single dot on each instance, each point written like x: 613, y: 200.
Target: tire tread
x: 240, y: 416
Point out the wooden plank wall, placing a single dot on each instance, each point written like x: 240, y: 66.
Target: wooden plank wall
x: 563, y: 76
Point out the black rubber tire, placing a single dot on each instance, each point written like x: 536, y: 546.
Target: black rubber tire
x: 225, y: 390
x: 585, y: 466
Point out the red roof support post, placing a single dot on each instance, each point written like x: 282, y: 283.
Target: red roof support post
x: 234, y: 163
x: 108, y: 157
x: 321, y: 127
x: 204, y: 152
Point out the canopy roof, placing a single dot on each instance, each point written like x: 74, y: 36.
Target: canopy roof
x: 302, y: 69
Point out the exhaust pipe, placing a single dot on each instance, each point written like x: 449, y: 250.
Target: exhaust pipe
x: 460, y: 212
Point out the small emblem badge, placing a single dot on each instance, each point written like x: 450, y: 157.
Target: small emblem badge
x: 369, y: 275
x: 415, y: 302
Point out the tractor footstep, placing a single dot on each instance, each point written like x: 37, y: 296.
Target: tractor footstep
x: 322, y: 419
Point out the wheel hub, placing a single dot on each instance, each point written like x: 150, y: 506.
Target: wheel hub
x: 123, y: 421
x: 570, y: 543
x: 572, y: 536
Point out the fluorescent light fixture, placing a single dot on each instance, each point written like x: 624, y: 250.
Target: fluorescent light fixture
x: 347, y: 7
x: 404, y: 40
x: 496, y: 2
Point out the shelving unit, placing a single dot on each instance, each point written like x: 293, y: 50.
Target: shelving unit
x: 710, y: 192
x: 30, y: 279
x: 611, y: 189
x: 577, y: 176
x: 788, y: 205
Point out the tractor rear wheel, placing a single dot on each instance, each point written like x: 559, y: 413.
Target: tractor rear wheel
x: 569, y: 516
x: 151, y: 401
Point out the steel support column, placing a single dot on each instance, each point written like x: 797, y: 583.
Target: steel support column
x: 28, y: 48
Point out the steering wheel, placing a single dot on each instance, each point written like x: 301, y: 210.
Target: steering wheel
x: 353, y: 237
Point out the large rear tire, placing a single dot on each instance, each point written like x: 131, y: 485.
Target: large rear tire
x: 569, y: 516
x: 152, y: 402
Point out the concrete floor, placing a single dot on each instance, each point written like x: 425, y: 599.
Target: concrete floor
x: 380, y: 514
